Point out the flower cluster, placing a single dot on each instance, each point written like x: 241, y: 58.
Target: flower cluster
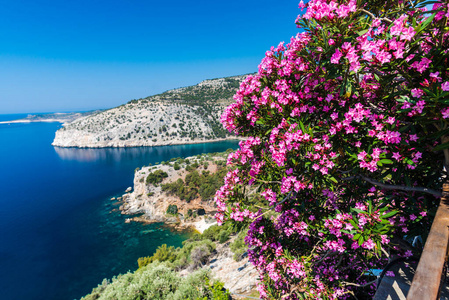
x: 345, y: 127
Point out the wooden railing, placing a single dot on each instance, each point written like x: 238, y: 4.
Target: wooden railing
x: 429, y: 274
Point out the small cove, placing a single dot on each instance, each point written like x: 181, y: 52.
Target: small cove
x: 60, y: 232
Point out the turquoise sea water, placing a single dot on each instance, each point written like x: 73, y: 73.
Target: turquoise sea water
x: 60, y: 234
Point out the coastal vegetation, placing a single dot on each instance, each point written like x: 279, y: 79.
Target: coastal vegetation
x: 157, y: 281
x: 158, y: 275
x: 347, y: 140
x: 156, y: 177
x: 196, y: 184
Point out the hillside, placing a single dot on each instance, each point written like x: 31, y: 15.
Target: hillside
x: 179, y: 192
x: 181, y: 116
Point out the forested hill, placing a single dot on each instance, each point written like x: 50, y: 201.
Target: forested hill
x: 179, y: 116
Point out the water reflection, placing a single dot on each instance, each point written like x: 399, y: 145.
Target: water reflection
x: 150, y: 154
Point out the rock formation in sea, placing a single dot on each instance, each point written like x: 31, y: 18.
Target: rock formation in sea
x: 149, y: 198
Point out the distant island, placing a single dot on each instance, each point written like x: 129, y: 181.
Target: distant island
x: 185, y: 115
x: 64, y: 118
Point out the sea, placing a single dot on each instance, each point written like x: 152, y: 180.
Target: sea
x: 60, y: 232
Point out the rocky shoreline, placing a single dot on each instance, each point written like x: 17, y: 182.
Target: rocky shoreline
x: 153, y: 203
x: 66, y: 143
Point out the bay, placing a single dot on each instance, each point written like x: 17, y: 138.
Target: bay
x: 60, y: 234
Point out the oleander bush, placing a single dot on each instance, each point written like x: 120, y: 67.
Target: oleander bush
x: 347, y: 139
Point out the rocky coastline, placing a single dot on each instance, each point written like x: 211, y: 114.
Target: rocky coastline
x: 187, y: 115
x: 152, y: 203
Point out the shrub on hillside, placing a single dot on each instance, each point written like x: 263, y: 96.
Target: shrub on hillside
x: 159, y: 282
x: 172, y: 209
x: 156, y: 177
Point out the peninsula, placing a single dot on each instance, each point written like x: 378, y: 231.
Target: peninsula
x: 185, y: 115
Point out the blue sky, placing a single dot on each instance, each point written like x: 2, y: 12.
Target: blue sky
x: 89, y: 54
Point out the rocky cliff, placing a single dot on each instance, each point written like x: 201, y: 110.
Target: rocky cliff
x: 181, y: 116
x: 153, y: 202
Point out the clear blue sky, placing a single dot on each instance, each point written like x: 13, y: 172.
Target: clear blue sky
x: 89, y: 54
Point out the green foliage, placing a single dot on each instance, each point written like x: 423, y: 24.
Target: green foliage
x: 176, y: 166
x: 163, y: 253
x: 172, y: 209
x: 218, y: 291
x: 158, y: 281
x: 203, y: 185
x: 155, y: 281
x: 144, y: 261
x: 156, y: 177
x: 238, y: 247
x: 201, y: 250
x: 219, y: 233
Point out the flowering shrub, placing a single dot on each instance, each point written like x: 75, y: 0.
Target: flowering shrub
x: 347, y: 142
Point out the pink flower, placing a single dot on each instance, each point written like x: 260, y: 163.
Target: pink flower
x: 413, y: 137
x: 435, y: 75
x: 445, y: 113
x: 445, y: 86
x: 417, y: 93
x: 336, y: 57
x: 396, y: 155
x: 361, y: 155
x: 369, y: 244
x: 407, y: 34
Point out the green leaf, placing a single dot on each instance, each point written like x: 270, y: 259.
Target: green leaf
x: 362, y: 32
x: 358, y: 210
x: 302, y: 127
x: 354, y: 224
x: 333, y: 179
x: 386, y: 161
x: 389, y: 215
x: 441, y: 147
x: 409, y: 161
x: 361, y: 240
x: 424, y: 24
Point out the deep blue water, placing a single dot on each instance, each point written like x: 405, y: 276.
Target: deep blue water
x: 60, y: 234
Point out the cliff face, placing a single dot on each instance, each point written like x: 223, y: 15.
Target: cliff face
x: 153, y: 202
x: 180, y: 116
